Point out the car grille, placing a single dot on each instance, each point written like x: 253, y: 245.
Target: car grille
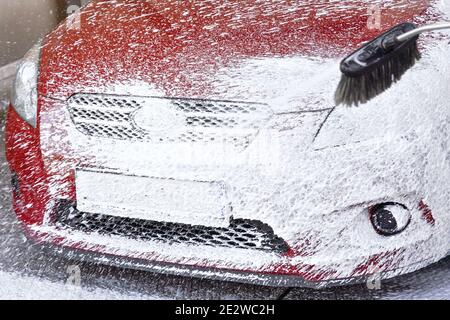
x: 198, y: 121
x: 243, y: 234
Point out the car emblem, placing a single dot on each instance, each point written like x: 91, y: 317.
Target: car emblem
x: 158, y: 117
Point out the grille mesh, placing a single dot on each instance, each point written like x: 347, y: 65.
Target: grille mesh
x: 80, y: 115
x: 202, y: 121
x: 110, y: 131
x: 192, y: 106
x: 243, y: 234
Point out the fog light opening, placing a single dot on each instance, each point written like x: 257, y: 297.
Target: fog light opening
x: 389, y: 219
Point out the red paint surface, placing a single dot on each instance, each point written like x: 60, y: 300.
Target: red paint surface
x: 427, y: 214
x: 178, y: 45
x: 25, y: 159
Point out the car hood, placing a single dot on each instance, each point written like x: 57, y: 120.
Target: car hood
x: 280, y: 52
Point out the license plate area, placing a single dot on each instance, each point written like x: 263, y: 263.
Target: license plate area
x: 154, y: 199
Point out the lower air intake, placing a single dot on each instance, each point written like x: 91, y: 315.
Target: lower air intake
x: 243, y: 234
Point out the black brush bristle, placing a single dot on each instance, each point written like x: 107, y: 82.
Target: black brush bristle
x: 373, y: 69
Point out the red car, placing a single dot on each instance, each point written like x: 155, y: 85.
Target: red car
x: 200, y: 138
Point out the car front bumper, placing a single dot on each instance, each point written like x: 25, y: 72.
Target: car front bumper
x: 313, y: 202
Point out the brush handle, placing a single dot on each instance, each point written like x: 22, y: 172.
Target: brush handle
x: 420, y: 30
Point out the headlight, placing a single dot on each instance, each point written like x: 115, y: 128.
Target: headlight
x: 24, y: 95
